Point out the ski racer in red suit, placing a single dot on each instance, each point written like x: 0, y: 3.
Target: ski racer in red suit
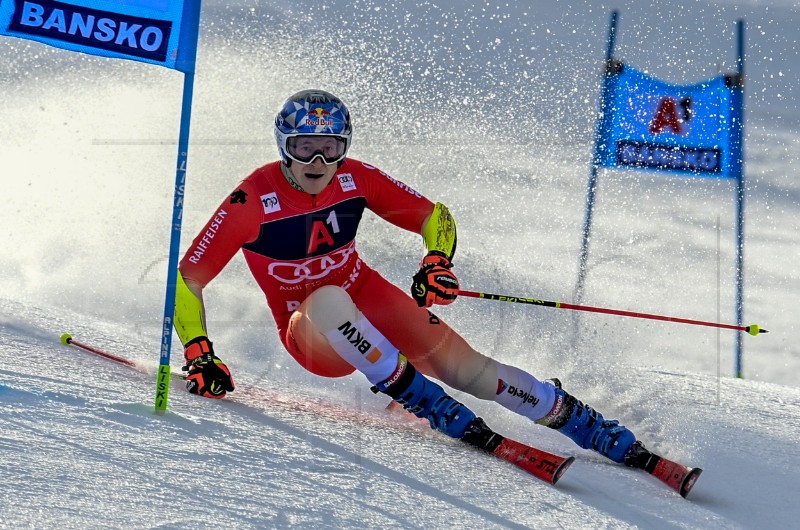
x: 295, y: 221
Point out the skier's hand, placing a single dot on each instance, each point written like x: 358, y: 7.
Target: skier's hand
x: 435, y: 282
x: 208, y: 376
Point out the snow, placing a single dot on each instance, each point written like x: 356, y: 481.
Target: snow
x: 488, y: 107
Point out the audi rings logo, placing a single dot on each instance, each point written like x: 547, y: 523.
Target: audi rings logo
x: 312, y: 269
x: 346, y: 182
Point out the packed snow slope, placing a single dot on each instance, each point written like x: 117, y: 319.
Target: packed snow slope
x: 488, y: 107
x: 82, y: 449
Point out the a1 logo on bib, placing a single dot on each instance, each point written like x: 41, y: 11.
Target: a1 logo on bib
x: 270, y: 202
x: 346, y: 182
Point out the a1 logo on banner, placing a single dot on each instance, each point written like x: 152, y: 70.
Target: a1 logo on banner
x: 669, y: 118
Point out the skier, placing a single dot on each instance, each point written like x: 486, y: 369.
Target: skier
x: 295, y: 221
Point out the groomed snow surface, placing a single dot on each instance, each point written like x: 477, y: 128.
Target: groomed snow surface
x: 488, y: 107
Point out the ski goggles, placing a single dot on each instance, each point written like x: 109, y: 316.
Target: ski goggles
x: 305, y: 148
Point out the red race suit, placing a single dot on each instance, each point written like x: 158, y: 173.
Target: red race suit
x: 295, y: 243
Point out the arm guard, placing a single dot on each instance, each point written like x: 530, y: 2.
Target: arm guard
x: 190, y: 315
x: 439, y: 232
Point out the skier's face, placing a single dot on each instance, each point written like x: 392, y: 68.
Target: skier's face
x: 313, y: 177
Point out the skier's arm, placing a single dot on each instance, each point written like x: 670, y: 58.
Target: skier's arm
x: 402, y: 206
x: 234, y: 223
x: 439, y: 232
x: 435, y: 283
x: 190, y: 313
x: 206, y: 374
x: 395, y: 201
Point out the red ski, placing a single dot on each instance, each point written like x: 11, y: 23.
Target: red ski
x: 677, y: 476
x: 540, y: 464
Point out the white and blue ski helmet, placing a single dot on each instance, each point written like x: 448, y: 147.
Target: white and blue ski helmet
x: 313, y: 113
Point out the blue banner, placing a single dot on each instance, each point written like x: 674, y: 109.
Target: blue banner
x: 162, y: 32
x: 653, y: 125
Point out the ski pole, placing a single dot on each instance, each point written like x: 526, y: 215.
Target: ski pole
x: 67, y: 340
x: 752, y: 329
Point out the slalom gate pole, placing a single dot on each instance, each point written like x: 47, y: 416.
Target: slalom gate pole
x: 187, y: 64
x: 752, y: 329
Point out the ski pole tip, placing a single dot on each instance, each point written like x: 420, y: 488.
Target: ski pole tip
x: 754, y: 329
x: 66, y: 338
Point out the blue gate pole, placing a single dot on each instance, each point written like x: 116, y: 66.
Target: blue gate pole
x: 605, y: 113
x: 738, y: 159
x: 187, y: 66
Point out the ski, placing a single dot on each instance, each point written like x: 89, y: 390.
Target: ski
x: 541, y: 464
x: 677, y: 476
x: 537, y: 462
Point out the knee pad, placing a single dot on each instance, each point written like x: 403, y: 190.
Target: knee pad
x: 326, y: 307
x: 331, y: 310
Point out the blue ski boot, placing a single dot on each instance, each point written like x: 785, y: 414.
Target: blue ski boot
x: 587, y: 427
x: 425, y: 399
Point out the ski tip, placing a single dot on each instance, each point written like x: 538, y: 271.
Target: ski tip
x: 562, y: 468
x: 66, y: 338
x: 689, y: 481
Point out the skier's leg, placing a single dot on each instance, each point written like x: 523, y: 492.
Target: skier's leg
x: 544, y: 403
x: 438, y: 351
x: 328, y: 328
x: 549, y: 405
x: 587, y: 427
